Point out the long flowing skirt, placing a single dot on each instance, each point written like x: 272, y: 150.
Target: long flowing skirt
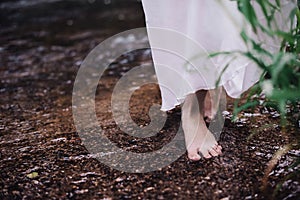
x: 182, y: 35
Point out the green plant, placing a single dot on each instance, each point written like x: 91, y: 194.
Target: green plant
x: 281, y: 78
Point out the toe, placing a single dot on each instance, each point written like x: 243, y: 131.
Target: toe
x: 218, y: 149
x: 193, y: 155
x: 213, y: 152
x: 207, y: 155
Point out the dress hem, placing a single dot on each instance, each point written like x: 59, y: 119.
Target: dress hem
x: 223, y: 84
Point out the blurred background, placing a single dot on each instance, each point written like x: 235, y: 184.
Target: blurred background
x: 53, y: 21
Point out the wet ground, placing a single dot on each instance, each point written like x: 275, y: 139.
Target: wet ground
x: 42, y: 44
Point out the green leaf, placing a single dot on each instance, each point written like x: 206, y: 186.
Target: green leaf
x: 280, y: 95
x: 248, y: 11
x: 32, y: 175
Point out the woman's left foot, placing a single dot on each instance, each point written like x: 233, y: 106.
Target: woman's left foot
x: 211, y: 103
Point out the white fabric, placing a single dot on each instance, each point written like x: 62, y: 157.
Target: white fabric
x: 213, y: 25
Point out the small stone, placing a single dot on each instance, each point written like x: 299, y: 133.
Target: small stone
x: 32, y: 175
x: 225, y: 198
x: 119, y: 179
x: 148, y: 189
x: 81, y: 191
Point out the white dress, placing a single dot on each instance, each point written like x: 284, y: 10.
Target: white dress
x: 182, y: 33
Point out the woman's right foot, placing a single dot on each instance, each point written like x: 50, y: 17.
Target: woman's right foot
x: 200, y: 142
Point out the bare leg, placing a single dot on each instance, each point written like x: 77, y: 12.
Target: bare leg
x: 197, y: 136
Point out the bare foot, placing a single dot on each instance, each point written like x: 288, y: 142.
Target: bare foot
x: 199, y: 140
x: 211, y: 103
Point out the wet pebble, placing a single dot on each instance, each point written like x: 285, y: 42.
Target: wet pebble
x: 81, y: 191
x: 294, y: 153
